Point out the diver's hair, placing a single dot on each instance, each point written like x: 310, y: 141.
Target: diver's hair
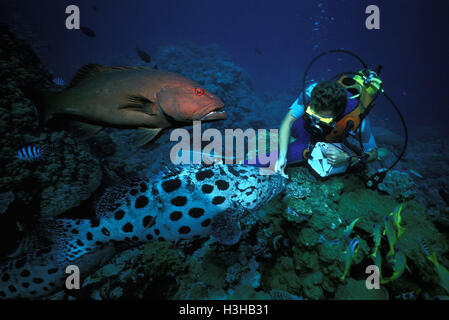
x: 329, y: 96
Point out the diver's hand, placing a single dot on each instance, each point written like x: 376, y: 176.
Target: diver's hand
x: 280, y: 166
x: 335, y: 156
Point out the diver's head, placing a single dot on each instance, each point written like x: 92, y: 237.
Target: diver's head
x: 328, y: 99
x: 327, y: 103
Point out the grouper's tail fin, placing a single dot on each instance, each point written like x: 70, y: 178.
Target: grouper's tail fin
x: 68, y: 238
x: 43, y: 101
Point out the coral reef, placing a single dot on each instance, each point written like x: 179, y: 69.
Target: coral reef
x: 398, y: 184
x: 316, y: 224
x: 356, y: 290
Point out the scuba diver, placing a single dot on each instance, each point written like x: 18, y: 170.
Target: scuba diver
x: 328, y: 127
x: 330, y: 106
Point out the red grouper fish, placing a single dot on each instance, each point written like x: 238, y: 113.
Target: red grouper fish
x: 129, y: 97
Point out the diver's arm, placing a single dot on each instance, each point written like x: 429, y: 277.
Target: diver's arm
x: 284, y: 135
x: 371, y: 156
x: 368, y: 141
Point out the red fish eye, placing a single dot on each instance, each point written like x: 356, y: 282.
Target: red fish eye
x: 199, y: 91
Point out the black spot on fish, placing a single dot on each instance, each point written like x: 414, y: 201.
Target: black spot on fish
x: 179, y: 201
x: 171, y: 185
x: 141, y: 202
x: 134, y: 238
x: 222, y: 171
x: 2, y: 294
x: 75, y: 231
x: 143, y: 187
x: 218, y: 200
x: 26, y: 284
x: 38, y: 280
x: 53, y: 270
x: 206, y: 223
x: 20, y: 263
x: 127, y: 228
x: 5, y: 277
x: 79, y: 243
x: 184, y: 230
x: 12, y: 288
x: 105, y: 232
x: 78, y: 222
x: 222, y: 185
x: 118, y: 215
x: 52, y: 284
x: 89, y: 236
x: 196, y: 212
x: 25, y: 273
x: 149, y: 237
x: 207, y: 188
x: 204, y: 174
x: 233, y: 171
x: 146, y: 220
x: 157, y: 232
x: 94, y: 223
x: 175, y: 215
x: 45, y: 288
x: 133, y: 192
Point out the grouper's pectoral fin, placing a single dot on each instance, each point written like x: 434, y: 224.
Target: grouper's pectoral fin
x: 145, y: 135
x: 226, y: 227
x: 137, y: 102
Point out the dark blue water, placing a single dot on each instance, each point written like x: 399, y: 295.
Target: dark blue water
x: 272, y: 40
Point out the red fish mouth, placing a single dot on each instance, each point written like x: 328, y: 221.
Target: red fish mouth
x: 214, y: 115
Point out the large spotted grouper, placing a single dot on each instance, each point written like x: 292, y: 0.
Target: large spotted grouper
x: 130, y: 97
x: 189, y: 202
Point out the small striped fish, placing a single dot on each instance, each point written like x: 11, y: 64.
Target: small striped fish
x: 399, y: 262
x: 442, y: 272
x: 59, y: 81
x: 32, y: 153
x: 424, y: 245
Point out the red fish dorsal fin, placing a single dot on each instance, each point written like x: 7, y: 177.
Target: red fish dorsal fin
x: 87, y: 71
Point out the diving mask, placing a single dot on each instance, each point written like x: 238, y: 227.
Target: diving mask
x: 318, y: 125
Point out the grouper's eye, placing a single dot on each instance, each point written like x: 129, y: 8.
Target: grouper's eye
x: 199, y: 91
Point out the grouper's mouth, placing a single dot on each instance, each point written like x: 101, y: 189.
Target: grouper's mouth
x: 214, y: 115
x: 218, y: 114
